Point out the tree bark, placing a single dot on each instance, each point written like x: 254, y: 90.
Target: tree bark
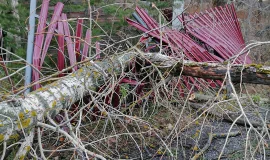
x: 24, y: 113
x: 249, y: 73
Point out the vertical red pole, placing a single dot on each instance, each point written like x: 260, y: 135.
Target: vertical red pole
x: 61, y: 43
x: 79, y: 30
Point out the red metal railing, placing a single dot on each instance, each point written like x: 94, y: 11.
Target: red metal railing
x: 217, y: 29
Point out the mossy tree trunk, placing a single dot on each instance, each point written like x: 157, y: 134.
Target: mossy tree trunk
x: 24, y: 112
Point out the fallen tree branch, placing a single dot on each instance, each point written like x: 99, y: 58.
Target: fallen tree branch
x: 211, y: 137
x: 248, y: 73
x: 230, y: 117
x: 72, y: 140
